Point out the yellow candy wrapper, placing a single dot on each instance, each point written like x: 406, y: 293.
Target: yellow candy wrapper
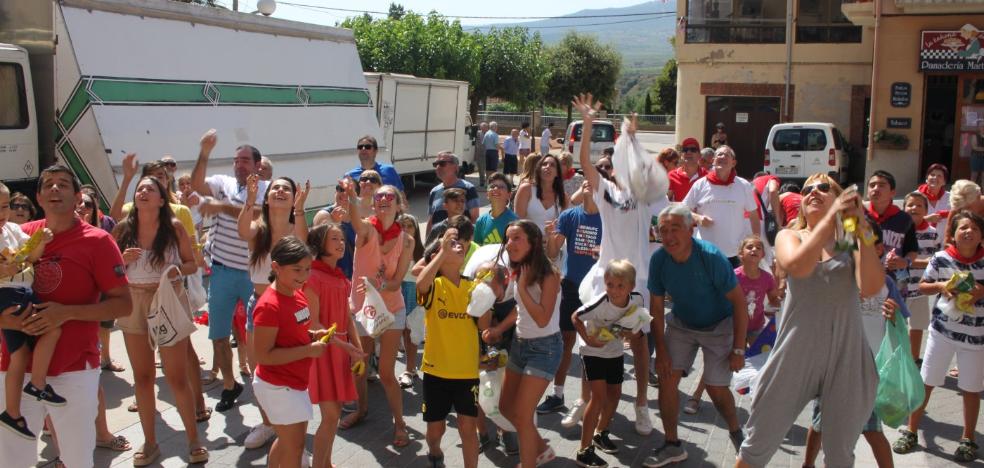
x: 961, y: 281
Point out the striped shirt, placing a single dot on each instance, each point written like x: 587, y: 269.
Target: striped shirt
x: 225, y: 246
x: 968, y: 332
x: 929, y: 243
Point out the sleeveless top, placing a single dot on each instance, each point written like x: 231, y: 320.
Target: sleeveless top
x: 536, y: 212
x: 260, y: 273
x: 526, y: 327
x: 143, y: 271
x: 370, y: 261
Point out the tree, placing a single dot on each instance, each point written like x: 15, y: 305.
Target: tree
x: 396, y: 11
x: 665, y: 89
x: 511, y: 67
x: 580, y: 64
x: 648, y: 107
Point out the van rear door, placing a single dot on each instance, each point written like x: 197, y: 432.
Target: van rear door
x: 799, y: 152
x: 18, y: 128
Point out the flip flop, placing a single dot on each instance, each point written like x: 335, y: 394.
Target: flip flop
x: 198, y: 455
x: 352, y: 420
x: 142, y: 458
x: 117, y: 444
x: 132, y: 408
x: 112, y: 366
x: 400, y: 437
x: 203, y: 415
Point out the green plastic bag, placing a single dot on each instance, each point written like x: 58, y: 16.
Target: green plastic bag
x: 900, y: 387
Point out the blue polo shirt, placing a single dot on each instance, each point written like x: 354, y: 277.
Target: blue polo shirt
x: 386, y: 172
x: 490, y: 140
x: 698, y: 285
x: 510, y: 146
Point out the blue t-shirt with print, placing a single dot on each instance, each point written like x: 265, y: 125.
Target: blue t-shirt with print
x: 583, y: 234
x: 489, y: 230
x: 698, y: 285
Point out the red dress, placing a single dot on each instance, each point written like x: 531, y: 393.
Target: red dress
x: 331, y: 377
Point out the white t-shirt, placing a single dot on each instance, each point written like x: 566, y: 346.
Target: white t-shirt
x: 526, y: 328
x: 524, y: 140
x: 545, y: 138
x: 12, y: 237
x: 729, y: 206
x: 654, y: 243
x: 225, y: 246
x: 601, y: 313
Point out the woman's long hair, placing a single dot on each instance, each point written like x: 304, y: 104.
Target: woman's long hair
x: 818, y: 178
x: 558, y: 182
x: 540, y: 266
x: 128, y: 230
x: 263, y: 241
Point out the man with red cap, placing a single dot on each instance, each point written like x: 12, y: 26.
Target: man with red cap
x: 684, y: 176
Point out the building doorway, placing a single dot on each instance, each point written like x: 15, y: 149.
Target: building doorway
x: 747, y: 121
x: 939, y: 120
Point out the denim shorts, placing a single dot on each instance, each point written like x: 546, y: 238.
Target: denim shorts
x: 19, y: 296
x: 226, y: 287
x: 538, y: 357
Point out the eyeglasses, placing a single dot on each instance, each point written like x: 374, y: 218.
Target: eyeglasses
x: 370, y: 179
x: 380, y: 196
x: 365, y: 147
x: 20, y: 206
x: 822, y: 187
x: 442, y: 163
x: 691, y: 149
x: 497, y: 187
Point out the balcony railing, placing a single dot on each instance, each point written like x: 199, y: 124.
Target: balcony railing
x: 744, y: 31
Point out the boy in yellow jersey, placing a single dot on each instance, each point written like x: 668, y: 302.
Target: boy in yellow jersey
x: 451, y: 349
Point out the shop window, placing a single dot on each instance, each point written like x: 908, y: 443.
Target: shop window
x: 821, y: 21
x: 736, y: 21
x: 13, y: 98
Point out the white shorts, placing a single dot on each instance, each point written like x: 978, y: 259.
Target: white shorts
x: 283, y: 405
x: 919, y: 310
x: 936, y: 363
x: 75, y: 444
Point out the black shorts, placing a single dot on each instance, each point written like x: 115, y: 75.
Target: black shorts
x: 19, y: 296
x: 510, y: 164
x: 608, y: 369
x: 570, y: 301
x: 440, y: 395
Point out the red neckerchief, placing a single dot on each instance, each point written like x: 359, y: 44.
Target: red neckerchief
x: 952, y: 251
x: 713, y: 178
x: 569, y: 174
x: 326, y: 268
x: 925, y: 190
x: 922, y: 226
x: 892, y: 210
x: 385, y: 234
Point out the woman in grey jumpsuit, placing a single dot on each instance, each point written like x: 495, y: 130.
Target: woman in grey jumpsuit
x: 820, y: 350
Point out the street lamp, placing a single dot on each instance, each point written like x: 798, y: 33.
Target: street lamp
x: 266, y: 7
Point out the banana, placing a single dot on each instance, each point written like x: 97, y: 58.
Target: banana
x: 331, y: 332
x: 32, y: 243
x: 359, y: 368
x: 604, y: 335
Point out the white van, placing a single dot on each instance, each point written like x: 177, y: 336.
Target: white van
x: 603, y: 136
x: 799, y: 150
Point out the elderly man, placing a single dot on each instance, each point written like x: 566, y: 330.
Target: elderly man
x: 230, y: 281
x: 480, y: 152
x: 265, y: 170
x: 708, y: 315
x: 368, y: 148
x: 684, y: 176
x: 80, y: 281
x: 724, y: 205
x: 510, y: 149
x: 446, y: 167
x: 706, y: 158
x: 490, y: 140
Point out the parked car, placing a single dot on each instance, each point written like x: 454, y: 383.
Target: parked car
x: 798, y: 150
x: 603, y: 136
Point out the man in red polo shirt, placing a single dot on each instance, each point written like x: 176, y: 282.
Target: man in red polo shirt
x: 684, y: 176
x: 80, y: 281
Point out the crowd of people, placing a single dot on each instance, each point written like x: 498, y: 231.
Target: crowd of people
x: 710, y: 266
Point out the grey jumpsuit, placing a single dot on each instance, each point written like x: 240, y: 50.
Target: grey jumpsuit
x: 820, y: 351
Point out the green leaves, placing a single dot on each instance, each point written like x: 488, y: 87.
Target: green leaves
x: 578, y: 64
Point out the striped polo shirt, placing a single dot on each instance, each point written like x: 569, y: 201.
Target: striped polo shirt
x: 968, y: 332
x: 225, y: 245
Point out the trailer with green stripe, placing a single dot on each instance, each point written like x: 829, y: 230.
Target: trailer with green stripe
x: 83, y: 82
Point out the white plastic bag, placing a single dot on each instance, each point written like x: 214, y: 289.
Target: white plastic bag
x: 481, y: 301
x: 168, y: 320
x: 196, y: 291
x: 635, y: 319
x: 373, y: 315
x: 415, y: 323
x: 489, y: 391
x: 637, y: 170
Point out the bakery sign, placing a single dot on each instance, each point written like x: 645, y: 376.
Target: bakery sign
x: 952, y: 51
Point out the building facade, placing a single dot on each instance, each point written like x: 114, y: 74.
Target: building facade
x: 899, y: 70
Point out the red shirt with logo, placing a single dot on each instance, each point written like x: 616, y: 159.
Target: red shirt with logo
x: 680, y: 182
x: 77, y: 267
x: 292, y: 319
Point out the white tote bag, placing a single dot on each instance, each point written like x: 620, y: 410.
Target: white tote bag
x: 642, y: 175
x: 373, y: 315
x: 168, y: 320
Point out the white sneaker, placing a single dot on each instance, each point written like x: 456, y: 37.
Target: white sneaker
x: 258, y: 436
x: 573, y: 416
x: 306, y: 459
x: 643, y: 425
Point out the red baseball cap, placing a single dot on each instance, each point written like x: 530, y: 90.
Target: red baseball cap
x: 690, y: 142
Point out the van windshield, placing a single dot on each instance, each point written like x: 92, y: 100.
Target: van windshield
x: 800, y: 139
x: 598, y: 132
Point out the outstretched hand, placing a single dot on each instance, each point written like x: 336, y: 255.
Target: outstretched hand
x: 252, y: 188
x: 130, y: 164
x: 301, y: 198
x: 208, y: 141
x: 587, y: 106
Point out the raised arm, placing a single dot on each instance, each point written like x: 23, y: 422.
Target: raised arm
x: 588, y: 107
x: 300, y: 222
x: 247, y: 230
x: 426, y: 277
x: 198, y: 173
x: 130, y: 164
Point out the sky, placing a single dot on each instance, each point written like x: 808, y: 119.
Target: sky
x: 446, y: 7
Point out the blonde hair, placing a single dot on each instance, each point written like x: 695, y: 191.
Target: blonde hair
x: 566, y: 159
x: 748, y: 240
x: 963, y: 194
x: 819, y: 178
x: 621, y: 269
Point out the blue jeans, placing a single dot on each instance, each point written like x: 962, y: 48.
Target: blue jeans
x: 538, y: 357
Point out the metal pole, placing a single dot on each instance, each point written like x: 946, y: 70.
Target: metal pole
x: 789, y: 60
x: 235, y: 5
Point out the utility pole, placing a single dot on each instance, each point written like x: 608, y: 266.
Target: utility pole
x: 235, y: 5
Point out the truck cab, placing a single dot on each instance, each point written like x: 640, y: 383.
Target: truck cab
x: 18, y: 120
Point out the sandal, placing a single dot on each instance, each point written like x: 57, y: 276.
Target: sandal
x: 692, y: 406
x: 352, y: 420
x: 400, y: 437
x: 547, y: 456
x: 112, y: 366
x: 406, y: 379
x: 203, y: 415
x: 198, y: 455
x: 133, y: 407
x: 244, y: 370
x: 906, y: 443
x: 144, y: 458
x: 116, y: 444
x: 212, y: 377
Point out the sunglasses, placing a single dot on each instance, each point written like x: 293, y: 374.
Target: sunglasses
x: 691, y: 149
x: 20, y: 206
x: 370, y: 179
x: 497, y: 187
x: 89, y: 205
x: 822, y: 187
x: 442, y: 163
x: 366, y: 147
x: 604, y: 167
x: 170, y: 163
x: 384, y: 196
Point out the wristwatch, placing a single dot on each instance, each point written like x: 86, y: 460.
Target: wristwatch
x: 738, y: 351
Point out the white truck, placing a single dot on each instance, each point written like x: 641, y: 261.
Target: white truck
x: 82, y: 82
x: 419, y: 118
